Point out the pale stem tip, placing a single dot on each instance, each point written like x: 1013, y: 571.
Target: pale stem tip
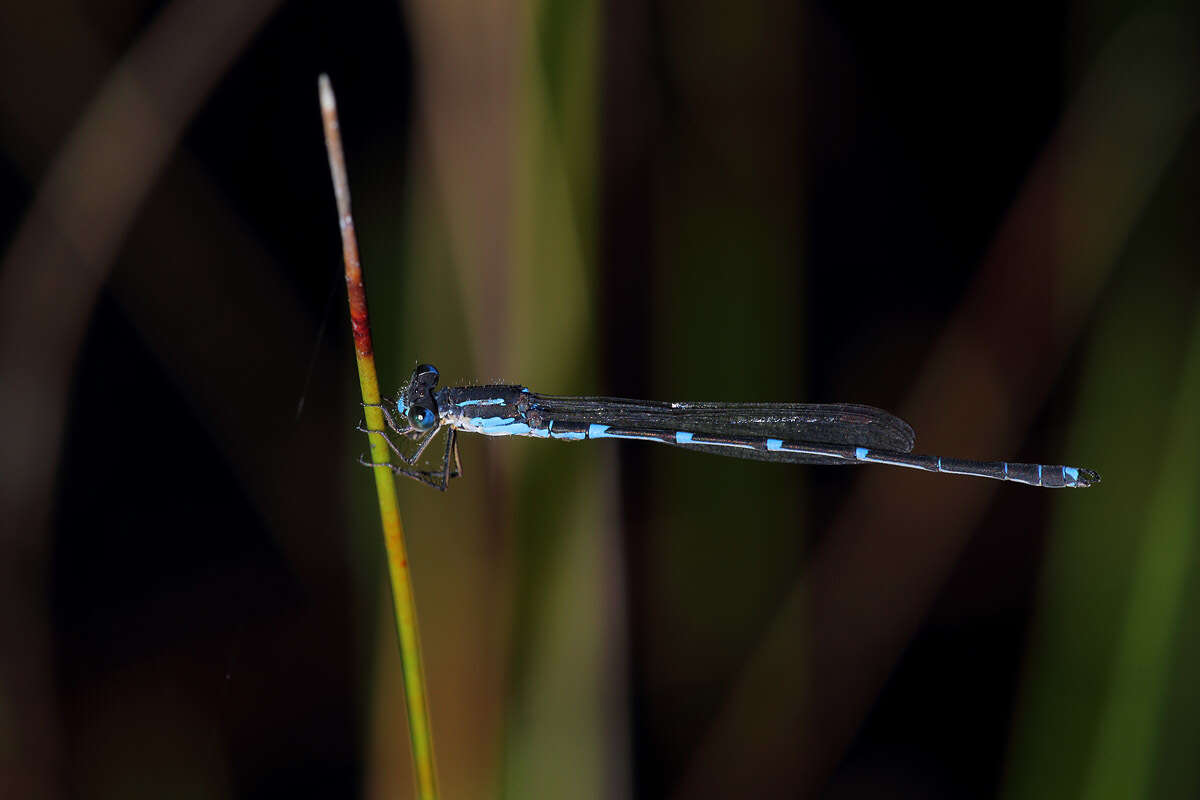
x: 326, y: 91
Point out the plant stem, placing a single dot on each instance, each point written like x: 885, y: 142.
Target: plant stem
x: 403, y: 602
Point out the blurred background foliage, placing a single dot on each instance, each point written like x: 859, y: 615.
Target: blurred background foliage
x: 980, y: 216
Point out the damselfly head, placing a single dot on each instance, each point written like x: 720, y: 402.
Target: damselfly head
x: 417, y: 401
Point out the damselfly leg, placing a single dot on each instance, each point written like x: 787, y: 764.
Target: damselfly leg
x: 436, y: 480
x: 439, y: 478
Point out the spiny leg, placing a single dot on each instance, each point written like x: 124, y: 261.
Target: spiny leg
x: 407, y: 430
x: 412, y: 461
x: 436, y: 479
x: 457, y: 463
x: 425, y: 477
x: 391, y: 445
x: 451, y: 442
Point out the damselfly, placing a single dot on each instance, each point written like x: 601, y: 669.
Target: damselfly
x: 791, y: 433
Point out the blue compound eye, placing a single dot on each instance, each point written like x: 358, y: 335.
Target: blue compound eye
x: 421, y: 418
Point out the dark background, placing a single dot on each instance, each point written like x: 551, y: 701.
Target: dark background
x: 983, y: 219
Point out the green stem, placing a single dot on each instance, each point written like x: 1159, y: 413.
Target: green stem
x: 403, y: 602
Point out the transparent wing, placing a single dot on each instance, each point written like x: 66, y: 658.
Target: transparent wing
x: 826, y: 424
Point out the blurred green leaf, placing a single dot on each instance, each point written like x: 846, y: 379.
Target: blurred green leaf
x: 1113, y: 585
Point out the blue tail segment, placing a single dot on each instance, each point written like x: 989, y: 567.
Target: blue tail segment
x: 1045, y: 475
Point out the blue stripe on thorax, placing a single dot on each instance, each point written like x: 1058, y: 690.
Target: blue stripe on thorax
x: 504, y: 426
x: 491, y: 401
